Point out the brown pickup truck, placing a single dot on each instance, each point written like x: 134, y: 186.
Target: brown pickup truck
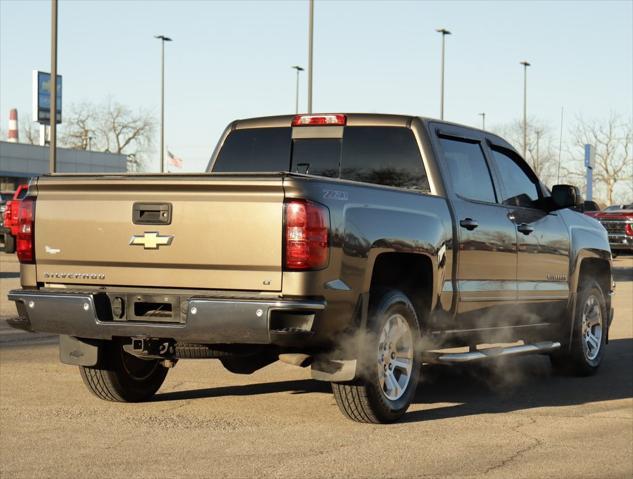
x: 361, y: 246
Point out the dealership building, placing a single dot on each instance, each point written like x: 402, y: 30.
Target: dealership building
x: 20, y: 162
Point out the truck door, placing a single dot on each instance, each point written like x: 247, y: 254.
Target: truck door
x: 542, y: 241
x: 487, y: 250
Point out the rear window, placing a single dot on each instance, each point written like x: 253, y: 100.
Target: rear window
x: 383, y: 156
x: 379, y: 155
x: 316, y: 156
x: 255, y: 150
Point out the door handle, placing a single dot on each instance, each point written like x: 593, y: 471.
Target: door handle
x: 468, y: 223
x: 525, y: 228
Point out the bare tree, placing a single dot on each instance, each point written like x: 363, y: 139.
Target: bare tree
x: 29, y: 131
x: 112, y: 127
x: 541, y: 153
x: 79, y: 126
x: 613, y: 143
x: 125, y: 131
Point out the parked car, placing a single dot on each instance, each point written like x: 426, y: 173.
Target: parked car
x: 618, y: 221
x: 358, y: 245
x: 9, y: 228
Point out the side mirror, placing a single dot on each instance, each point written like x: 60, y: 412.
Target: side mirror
x: 566, y: 196
x: 590, y: 206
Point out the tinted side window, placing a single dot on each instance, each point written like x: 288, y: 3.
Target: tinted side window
x: 255, y: 150
x: 520, y: 189
x: 316, y: 156
x: 384, y: 156
x: 469, y: 171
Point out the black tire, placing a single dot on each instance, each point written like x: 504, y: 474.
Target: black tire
x: 365, y: 400
x: 581, y: 358
x: 9, y: 243
x: 121, y: 377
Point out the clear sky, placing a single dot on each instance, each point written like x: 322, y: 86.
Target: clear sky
x: 232, y: 59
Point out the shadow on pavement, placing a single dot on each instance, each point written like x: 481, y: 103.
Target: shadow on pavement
x: 301, y: 386
x: 621, y: 273
x: 493, y: 387
x: 520, y: 384
x: 9, y: 274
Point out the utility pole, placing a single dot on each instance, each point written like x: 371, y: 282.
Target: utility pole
x: 444, y: 32
x: 310, y: 54
x: 162, y: 39
x: 560, y: 143
x: 483, y: 121
x: 525, y: 65
x: 52, y: 152
x: 299, y: 69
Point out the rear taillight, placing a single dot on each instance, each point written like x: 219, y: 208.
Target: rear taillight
x: 319, y: 120
x: 306, y: 232
x: 25, y: 244
x: 628, y: 229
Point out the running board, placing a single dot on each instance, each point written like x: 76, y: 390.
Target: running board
x: 535, y: 348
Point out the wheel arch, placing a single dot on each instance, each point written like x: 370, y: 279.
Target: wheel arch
x: 411, y: 273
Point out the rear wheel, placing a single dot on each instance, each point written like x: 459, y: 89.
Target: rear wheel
x: 121, y: 377
x: 390, y: 367
x: 589, y: 333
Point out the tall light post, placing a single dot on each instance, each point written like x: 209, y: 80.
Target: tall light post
x: 52, y: 153
x: 162, y: 39
x: 444, y: 32
x: 310, y: 49
x: 299, y: 69
x: 525, y: 65
x: 483, y: 120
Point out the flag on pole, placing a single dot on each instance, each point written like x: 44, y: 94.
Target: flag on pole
x: 174, y: 160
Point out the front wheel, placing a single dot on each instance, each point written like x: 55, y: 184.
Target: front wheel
x: 121, y: 377
x: 589, y: 333
x: 390, y: 367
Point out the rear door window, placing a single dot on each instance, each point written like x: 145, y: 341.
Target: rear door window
x: 521, y: 188
x: 470, y: 175
x: 255, y: 150
x: 384, y: 156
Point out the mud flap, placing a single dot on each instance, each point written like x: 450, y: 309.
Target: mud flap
x: 343, y: 370
x: 78, y: 352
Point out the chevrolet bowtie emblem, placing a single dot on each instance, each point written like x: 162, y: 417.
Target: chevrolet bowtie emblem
x: 151, y: 240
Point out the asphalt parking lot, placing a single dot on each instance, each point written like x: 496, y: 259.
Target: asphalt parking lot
x: 520, y: 421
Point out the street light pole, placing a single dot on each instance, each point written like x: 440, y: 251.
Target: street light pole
x: 162, y: 39
x: 310, y: 49
x: 525, y: 65
x: 299, y: 69
x: 444, y: 32
x: 483, y: 120
x: 52, y: 152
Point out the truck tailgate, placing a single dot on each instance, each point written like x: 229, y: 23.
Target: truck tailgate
x: 224, y: 233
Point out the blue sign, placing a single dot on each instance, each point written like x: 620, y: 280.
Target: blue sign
x: 42, y: 97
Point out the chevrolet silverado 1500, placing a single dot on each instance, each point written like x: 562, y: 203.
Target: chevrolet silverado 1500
x: 359, y: 245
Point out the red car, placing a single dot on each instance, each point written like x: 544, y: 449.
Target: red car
x: 10, y: 218
x: 618, y: 221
